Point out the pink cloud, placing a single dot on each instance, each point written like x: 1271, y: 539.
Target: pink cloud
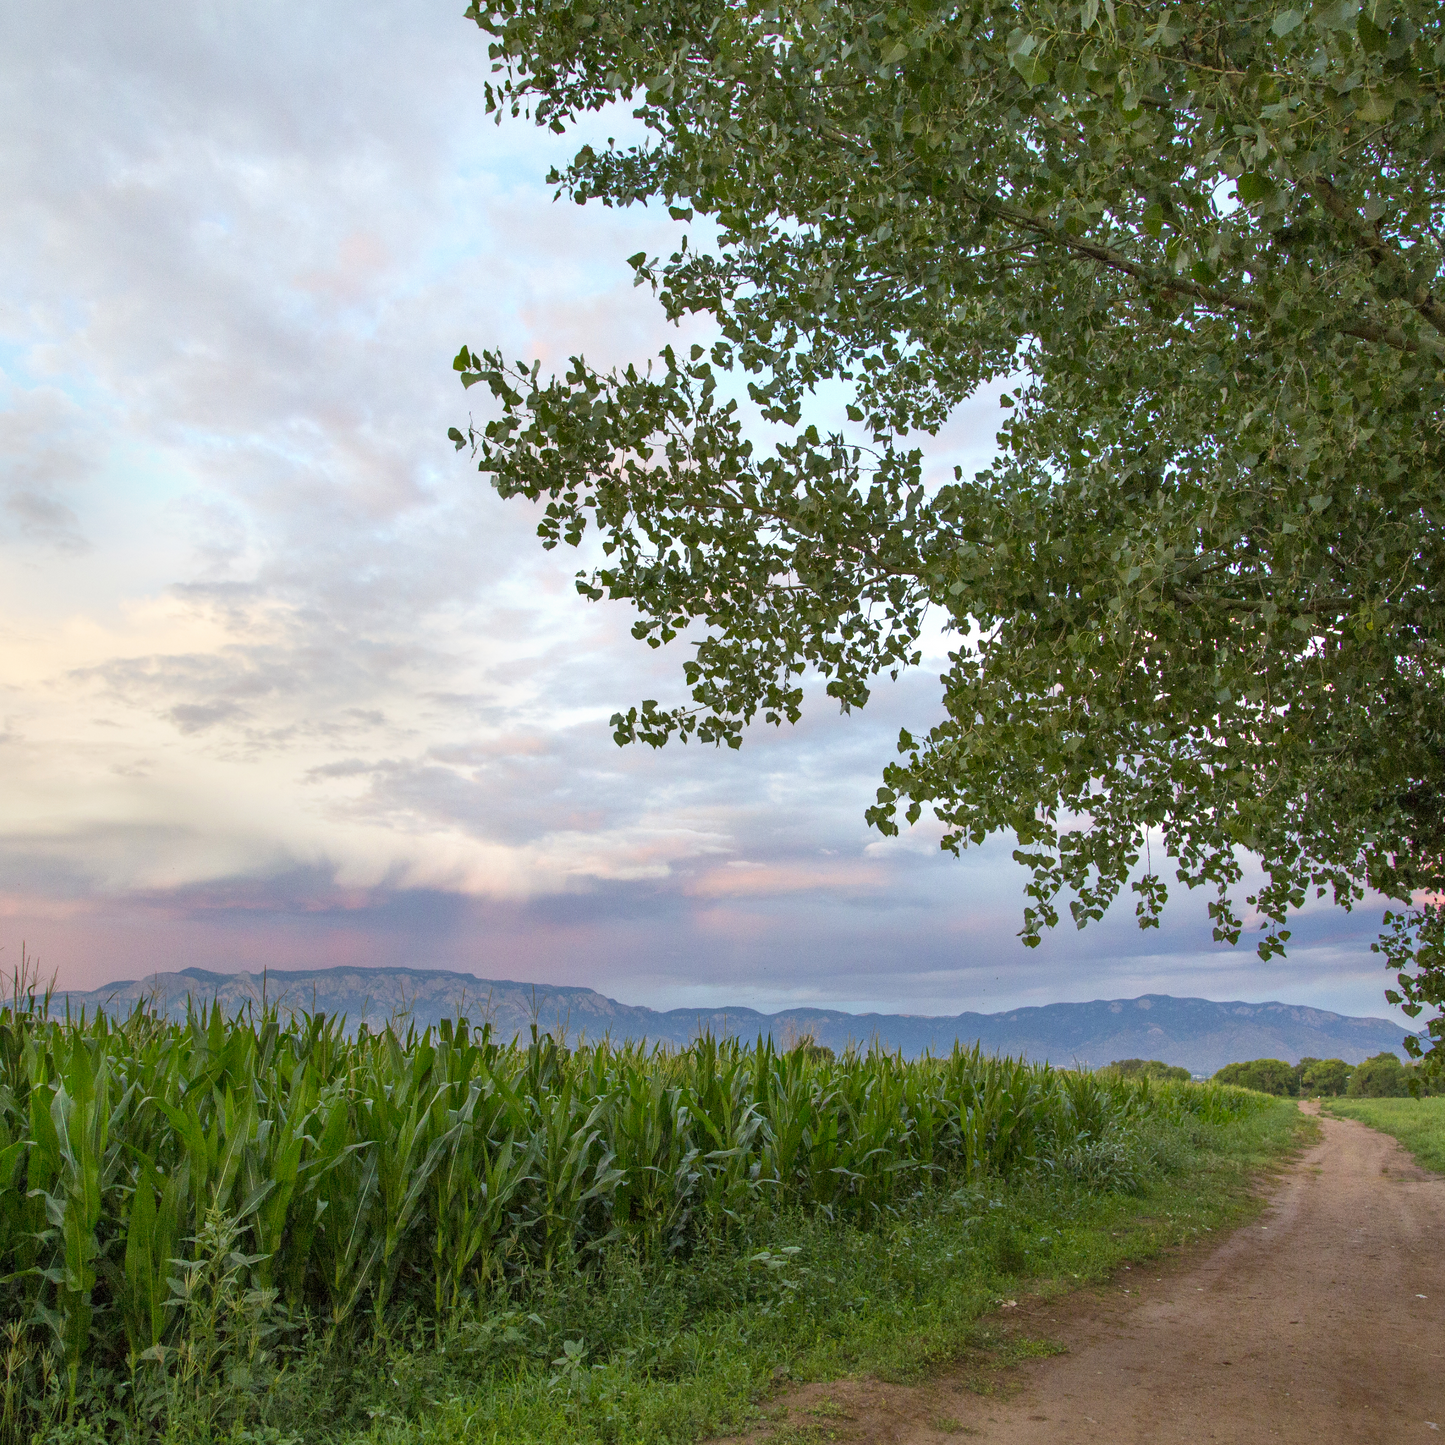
x: 733, y: 880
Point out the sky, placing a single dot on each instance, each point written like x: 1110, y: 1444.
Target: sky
x: 282, y: 681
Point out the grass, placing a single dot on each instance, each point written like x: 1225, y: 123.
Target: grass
x: 1419, y: 1124
x: 697, y: 1351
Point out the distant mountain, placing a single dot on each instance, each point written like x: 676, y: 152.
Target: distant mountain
x: 1197, y: 1033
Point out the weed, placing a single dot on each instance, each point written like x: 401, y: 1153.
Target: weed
x: 1419, y: 1124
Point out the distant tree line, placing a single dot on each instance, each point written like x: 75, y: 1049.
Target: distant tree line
x: 1154, y: 1069
x: 1380, y: 1077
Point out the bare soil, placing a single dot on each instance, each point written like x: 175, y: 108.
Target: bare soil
x: 1323, y: 1320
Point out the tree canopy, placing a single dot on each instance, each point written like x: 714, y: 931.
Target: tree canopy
x: 1329, y: 1077
x: 1269, y: 1076
x: 1197, y: 597
x: 1381, y: 1076
x: 1154, y: 1069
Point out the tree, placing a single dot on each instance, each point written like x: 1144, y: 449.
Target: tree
x: 1197, y: 599
x: 1327, y: 1077
x: 1155, y: 1070
x: 1269, y: 1076
x: 1380, y: 1077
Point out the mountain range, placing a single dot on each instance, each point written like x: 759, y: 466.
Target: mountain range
x: 1199, y: 1034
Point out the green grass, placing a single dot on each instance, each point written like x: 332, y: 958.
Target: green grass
x: 1419, y: 1124
x: 697, y: 1350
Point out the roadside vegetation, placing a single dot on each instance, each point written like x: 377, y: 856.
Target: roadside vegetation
x: 1383, y: 1076
x: 260, y: 1230
x: 1419, y: 1124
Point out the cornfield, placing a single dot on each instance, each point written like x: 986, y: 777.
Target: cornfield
x: 349, y: 1177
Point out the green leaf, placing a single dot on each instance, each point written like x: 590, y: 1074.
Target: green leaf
x: 1254, y: 186
x: 1168, y: 32
x: 1339, y: 16
x: 1033, y: 68
x: 1286, y: 21
x: 1376, y: 106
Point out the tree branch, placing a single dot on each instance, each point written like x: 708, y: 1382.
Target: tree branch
x: 1374, y: 246
x: 1179, y: 285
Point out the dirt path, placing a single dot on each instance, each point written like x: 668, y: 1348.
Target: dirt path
x: 1322, y: 1321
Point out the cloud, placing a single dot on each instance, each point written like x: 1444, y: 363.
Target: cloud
x: 192, y: 717
x: 47, y: 464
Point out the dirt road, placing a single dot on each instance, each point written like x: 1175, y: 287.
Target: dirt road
x: 1322, y: 1321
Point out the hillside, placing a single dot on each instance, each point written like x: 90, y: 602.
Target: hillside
x: 1200, y: 1034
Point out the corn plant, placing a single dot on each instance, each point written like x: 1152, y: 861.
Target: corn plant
x: 263, y: 1167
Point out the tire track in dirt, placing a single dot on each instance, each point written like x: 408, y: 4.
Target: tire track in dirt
x: 1323, y: 1320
